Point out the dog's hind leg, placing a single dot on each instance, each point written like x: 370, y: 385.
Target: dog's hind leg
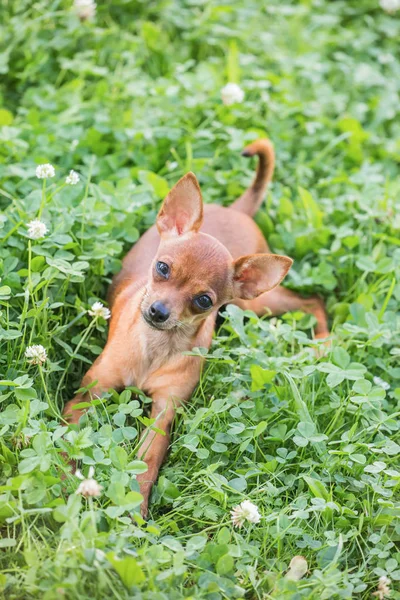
x: 281, y: 300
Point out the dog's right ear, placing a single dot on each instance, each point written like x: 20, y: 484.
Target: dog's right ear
x: 182, y: 209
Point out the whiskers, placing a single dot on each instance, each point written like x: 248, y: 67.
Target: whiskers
x: 144, y: 297
x: 185, y: 329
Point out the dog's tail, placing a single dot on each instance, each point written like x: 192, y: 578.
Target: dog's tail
x: 250, y: 201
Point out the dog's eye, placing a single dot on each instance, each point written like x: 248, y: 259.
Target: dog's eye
x: 162, y: 269
x: 204, y: 302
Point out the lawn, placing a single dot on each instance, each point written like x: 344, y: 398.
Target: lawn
x: 130, y: 99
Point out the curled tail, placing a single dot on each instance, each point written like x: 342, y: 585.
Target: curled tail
x: 250, y: 201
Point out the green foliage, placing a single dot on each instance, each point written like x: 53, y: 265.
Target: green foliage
x: 131, y: 101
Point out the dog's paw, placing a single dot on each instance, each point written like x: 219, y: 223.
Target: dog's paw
x: 144, y: 510
x: 145, y: 489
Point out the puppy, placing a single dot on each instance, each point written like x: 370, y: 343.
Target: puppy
x: 166, y: 298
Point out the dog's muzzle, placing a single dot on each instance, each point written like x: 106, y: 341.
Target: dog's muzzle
x: 157, y: 315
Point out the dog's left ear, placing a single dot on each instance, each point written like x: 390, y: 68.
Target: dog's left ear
x: 258, y: 273
x: 182, y: 209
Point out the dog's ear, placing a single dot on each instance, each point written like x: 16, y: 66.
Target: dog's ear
x: 182, y: 209
x: 258, y: 273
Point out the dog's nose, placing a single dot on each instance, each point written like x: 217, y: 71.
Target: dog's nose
x: 159, y: 313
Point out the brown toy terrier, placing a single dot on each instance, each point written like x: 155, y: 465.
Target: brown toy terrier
x: 166, y: 298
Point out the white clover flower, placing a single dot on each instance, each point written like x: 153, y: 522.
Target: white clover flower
x: 85, y: 9
x: 381, y: 383
x: 45, y: 171
x: 231, y: 94
x: 390, y: 6
x: 72, y: 178
x: 385, y: 58
x: 36, y: 355
x: 37, y: 229
x: 88, y: 487
x: 99, y: 310
x: 383, y: 588
x: 245, y: 511
x: 297, y: 569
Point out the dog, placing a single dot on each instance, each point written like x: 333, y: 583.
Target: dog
x: 166, y: 298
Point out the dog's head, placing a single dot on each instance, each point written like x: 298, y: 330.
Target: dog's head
x: 193, y: 274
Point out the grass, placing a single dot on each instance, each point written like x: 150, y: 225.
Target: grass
x: 131, y: 101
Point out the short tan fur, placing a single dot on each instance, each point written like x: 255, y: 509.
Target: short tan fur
x: 209, y: 256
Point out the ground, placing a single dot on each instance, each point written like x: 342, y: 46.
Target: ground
x: 131, y: 100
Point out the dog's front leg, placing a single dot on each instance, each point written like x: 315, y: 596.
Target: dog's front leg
x: 154, y: 446
x: 169, y: 387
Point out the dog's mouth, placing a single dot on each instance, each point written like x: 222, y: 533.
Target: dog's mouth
x: 157, y: 326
